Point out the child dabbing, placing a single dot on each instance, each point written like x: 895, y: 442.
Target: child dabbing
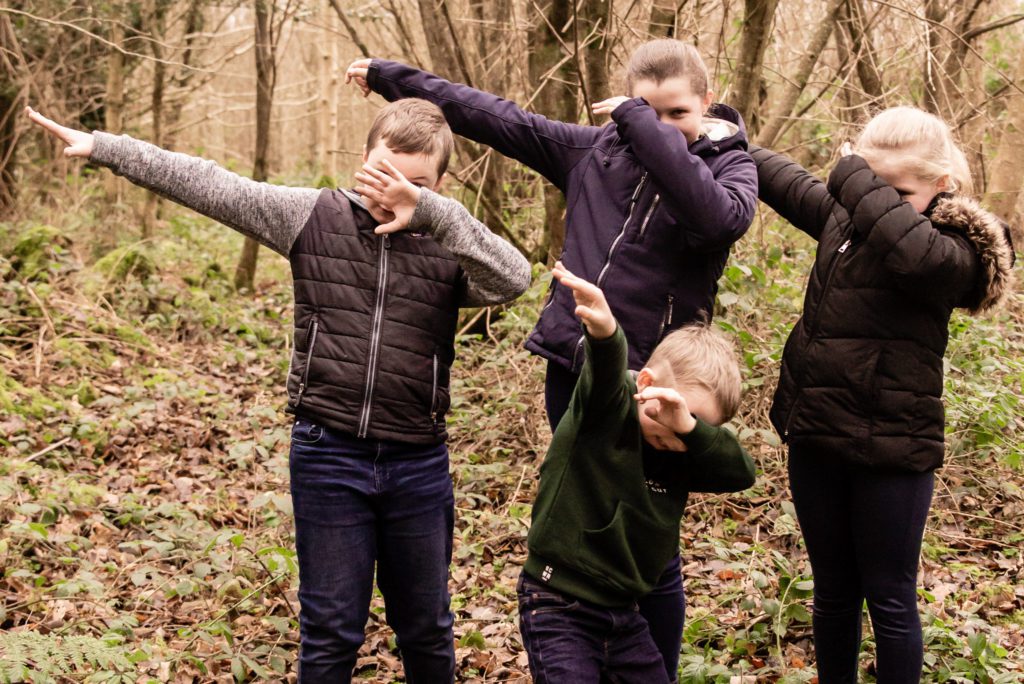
x: 654, y: 201
x: 379, y: 277
x: 613, y: 487
x: 859, y: 400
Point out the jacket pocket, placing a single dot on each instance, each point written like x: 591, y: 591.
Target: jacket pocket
x: 666, y: 318
x: 647, y: 216
x: 311, y: 333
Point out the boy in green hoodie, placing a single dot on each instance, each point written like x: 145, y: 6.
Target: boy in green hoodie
x: 612, y: 492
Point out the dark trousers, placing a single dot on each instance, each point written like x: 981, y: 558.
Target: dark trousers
x: 570, y: 641
x: 360, y: 503
x: 665, y: 607
x: 863, y: 528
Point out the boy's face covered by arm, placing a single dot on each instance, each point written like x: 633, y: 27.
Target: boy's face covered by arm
x: 676, y: 104
x: 665, y: 413
x: 391, y: 182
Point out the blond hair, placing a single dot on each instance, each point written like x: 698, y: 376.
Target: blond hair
x: 913, y: 141
x: 657, y: 60
x: 701, y: 355
x: 413, y: 126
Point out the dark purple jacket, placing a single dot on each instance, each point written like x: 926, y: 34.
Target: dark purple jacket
x: 649, y: 218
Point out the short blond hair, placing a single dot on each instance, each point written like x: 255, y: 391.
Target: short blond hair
x: 413, y: 126
x: 913, y: 141
x: 657, y: 60
x: 701, y: 355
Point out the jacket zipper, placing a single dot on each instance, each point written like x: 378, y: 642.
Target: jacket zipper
x: 433, y: 394
x: 378, y: 315
x: 647, y: 216
x: 314, y: 326
x: 666, y: 320
x: 611, y: 253
x: 847, y: 243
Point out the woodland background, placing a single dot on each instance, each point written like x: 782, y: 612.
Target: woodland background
x: 145, y: 529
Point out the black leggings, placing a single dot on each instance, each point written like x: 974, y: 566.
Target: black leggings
x: 863, y: 529
x: 665, y: 607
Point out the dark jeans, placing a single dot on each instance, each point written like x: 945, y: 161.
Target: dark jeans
x: 863, y: 529
x: 665, y: 607
x: 569, y: 641
x: 359, y: 503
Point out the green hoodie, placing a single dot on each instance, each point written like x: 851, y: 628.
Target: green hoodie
x: 606, y: 517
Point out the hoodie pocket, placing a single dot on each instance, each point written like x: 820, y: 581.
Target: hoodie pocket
x: 630, y: 551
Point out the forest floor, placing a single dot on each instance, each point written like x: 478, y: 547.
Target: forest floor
x: 145, y: 518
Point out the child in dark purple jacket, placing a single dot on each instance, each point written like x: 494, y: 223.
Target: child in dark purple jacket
x: 653, y: 202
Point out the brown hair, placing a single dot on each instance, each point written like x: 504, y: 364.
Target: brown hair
x: 701, y: 355
x: 413, y: 126
x: 657, y: 60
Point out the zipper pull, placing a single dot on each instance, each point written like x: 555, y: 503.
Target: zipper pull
x: 846, y: 245
x: 387, y: 241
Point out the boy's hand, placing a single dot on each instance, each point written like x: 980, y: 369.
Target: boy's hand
x: 79, y: 143
x: 609, y: 105
x: 357, y: 72
x: 391, y: 191
x: 591, y: 306
x: 670, y: 409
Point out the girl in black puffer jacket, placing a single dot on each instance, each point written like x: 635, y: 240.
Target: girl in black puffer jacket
x: 859, y: 397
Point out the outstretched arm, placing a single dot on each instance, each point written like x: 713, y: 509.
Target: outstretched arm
x: 794, y: 194
x: 552, y: 148
x: 271, y: 214
x: 717, y: 210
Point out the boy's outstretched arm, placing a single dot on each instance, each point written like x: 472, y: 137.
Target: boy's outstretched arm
x: 551, y: 148
x: 271, y: 214
x: 716, y: 210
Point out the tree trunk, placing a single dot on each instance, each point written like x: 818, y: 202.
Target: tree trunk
x: 1006, y: 178
x: 8, y: 141
x: 794, y: 86
x: 156, y: 29
x: 113, y: 106
x: 596, y: 15
x: 855, y: 23
x: 245, y: 272
x: 756, y: 33
x: 663, y: 19
x: 556, y: 100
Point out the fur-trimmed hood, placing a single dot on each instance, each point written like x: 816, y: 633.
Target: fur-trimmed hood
x: 991, y: 239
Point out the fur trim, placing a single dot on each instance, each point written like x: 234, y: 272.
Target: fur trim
x: 986, y: 233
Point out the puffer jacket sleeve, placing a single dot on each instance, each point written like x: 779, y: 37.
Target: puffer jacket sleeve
x: 921, y: 258
x: 790, y: 190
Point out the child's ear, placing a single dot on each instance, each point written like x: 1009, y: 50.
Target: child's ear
x: 708, y: 99
x: 644, y: 379
x: 943, y: 184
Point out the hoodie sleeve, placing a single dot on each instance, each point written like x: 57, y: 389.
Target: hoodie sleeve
x: 494, y: 271
x: 273, y: 215
x: 552, y: 148
x: 921, y: 258
x: 714, y: 461
x: 792, y: 192
x: 717, y: 209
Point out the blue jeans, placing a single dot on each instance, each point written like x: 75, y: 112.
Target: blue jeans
x: 360, y: 503
x: 570, y: 641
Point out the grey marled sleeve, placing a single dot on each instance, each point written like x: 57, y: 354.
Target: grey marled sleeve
x: 271, y: 214
x: 495, y: 271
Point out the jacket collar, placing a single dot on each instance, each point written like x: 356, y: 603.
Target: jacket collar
x: 990, y: 238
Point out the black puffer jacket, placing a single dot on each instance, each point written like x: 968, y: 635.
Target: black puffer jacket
x: 375, y: 320
x: 862, y: 370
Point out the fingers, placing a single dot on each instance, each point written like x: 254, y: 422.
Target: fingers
x: 663, y: 394
x: 373, y: 177
x: 50, y: 125
x: 392, y: 171
x: 392, y: 227
x: 371, y: 193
